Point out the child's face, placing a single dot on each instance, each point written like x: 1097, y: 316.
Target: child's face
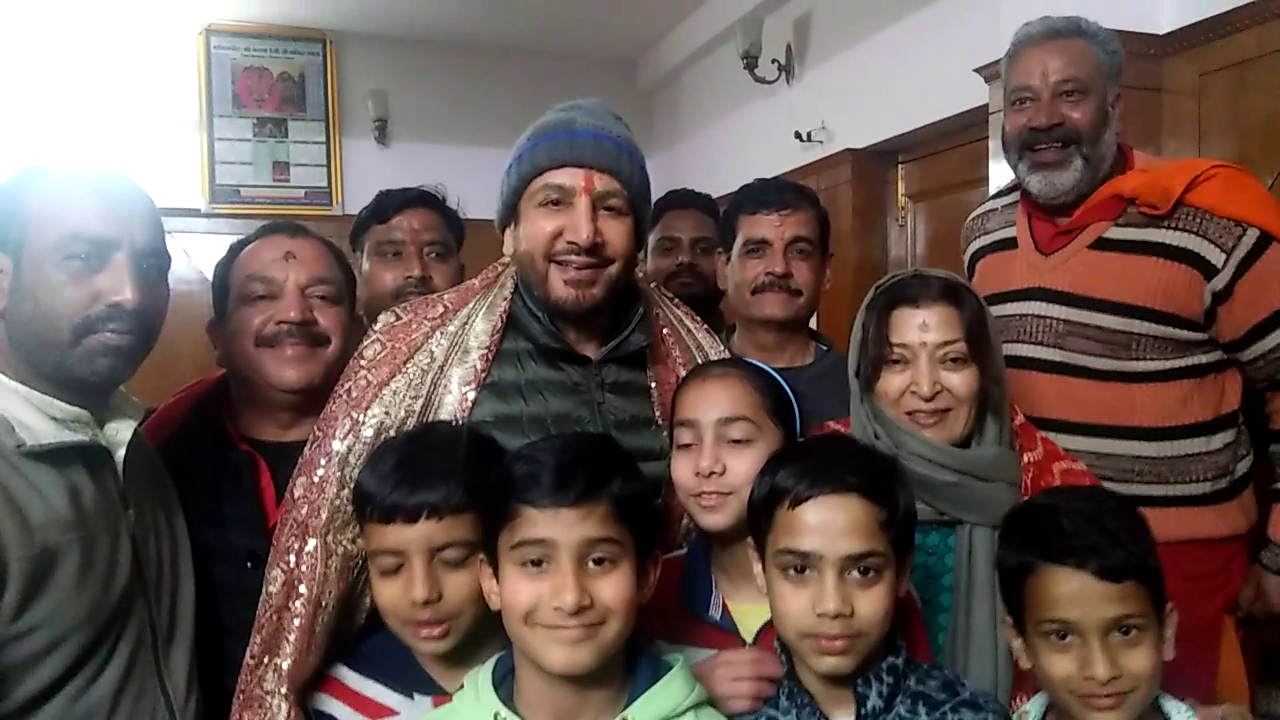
x: 721, y: 435
x: 1096, y: 647
x: 425, y: 579
x: 832, y: 581
x: 568, y: 586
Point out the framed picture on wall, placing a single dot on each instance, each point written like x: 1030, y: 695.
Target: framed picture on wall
x: 269, y: 120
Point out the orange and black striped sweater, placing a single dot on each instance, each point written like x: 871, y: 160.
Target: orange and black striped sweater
x: 1130, y: 347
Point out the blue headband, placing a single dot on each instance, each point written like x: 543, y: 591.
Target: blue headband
x: 795, y: 405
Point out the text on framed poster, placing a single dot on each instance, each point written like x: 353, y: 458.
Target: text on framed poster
x: 269, y: 120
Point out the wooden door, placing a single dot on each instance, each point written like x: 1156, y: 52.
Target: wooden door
x: 938, y: 183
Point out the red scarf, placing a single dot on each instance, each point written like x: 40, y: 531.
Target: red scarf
x: 1050, y: 236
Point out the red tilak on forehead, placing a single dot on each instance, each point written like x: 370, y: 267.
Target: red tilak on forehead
x: 588, y: 183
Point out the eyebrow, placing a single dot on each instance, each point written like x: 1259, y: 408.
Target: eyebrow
x: 943, y: 344
x: 545, y: 543
x: 600, y: 195
x: 309, y: 284
x: 810, y: 556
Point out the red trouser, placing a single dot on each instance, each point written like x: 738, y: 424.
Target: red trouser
x: 1204, y: 578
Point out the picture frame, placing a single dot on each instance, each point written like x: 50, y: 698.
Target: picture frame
x: 270, y: 140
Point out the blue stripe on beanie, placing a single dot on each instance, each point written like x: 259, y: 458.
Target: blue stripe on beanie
x: 580, y: 133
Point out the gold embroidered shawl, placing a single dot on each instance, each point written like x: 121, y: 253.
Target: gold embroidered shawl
x: 422, y: 361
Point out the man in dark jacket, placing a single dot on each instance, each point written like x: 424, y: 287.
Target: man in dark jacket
x: 559, y: 337
x: 96, y: 591
x: 283, y: 324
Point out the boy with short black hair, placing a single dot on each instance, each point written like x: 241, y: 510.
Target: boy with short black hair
x: 1088, y: 612
x: 832, y: 523
x: 422, y: 544
x: 571, y: 538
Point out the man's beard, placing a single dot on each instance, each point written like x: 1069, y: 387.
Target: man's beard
x: 575, y: 306
x: 1092, y: 158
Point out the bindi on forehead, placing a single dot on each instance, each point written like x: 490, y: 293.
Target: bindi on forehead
x: 289, y: 256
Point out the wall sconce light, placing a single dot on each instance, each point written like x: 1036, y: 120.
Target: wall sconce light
x: 751, y: 44
x: 377, y: 103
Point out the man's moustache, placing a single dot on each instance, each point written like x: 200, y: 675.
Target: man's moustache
x: 1064, y: 136
x: 687, y: 274
x: 313, y: 336
x: 413, y: 289
x: 117, y: 321
x: 776, y: 286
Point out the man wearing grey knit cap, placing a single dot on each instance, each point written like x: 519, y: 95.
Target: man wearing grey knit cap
x: 559, y: 337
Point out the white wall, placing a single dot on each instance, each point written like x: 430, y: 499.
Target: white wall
x: 869, y: 70
x: 105, y: 90
x: 455, y: 112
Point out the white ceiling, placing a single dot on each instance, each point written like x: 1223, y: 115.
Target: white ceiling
x: 586, y: 28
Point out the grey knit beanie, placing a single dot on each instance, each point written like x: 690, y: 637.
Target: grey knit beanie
x: 583, y: 133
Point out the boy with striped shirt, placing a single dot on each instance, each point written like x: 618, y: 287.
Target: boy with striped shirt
x: 422, y: 543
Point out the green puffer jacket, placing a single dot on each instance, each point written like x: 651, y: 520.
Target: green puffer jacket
x: 539, y: 385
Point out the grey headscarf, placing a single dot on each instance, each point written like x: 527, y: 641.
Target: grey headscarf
x: 973, y: 485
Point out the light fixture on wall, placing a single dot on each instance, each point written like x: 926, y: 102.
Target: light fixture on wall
x: 751, y: 45
x: 378, y: 115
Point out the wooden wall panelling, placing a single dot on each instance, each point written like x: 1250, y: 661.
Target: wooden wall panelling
x: 940, y: 177
x: 850, y: 184
x: 182, y: 354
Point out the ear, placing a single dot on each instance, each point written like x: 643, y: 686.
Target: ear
x: 826, y: 273
x: 6, y: 281
x: 213, y: 331
x: 489, y: 584
x: 509, y: 240
x: 757, y: 567
x: 1170, y: 633
x: 648, y: 581
x: 722, y: 269
x: 1017, y: 645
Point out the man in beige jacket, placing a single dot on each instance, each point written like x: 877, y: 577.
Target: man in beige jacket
x: 96, y: 590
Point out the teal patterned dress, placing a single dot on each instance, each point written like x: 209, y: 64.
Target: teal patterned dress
x: 933, y: 577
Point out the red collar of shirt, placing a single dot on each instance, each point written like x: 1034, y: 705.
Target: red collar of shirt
x: 1049, y: 236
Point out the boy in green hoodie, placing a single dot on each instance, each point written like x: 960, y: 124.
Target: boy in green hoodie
x: 570, y: 538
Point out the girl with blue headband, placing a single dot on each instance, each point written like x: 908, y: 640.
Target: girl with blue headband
x: 727, y: 417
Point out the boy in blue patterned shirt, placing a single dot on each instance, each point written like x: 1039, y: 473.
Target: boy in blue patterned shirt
x: 1088, y: 612
x: 832, y: 523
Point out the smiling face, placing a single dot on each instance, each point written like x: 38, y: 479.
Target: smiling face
x: 777, y: 268
x: 568, y: 586
x: 721, y: 435
x: 832, y: 580
x: 425, y: 580
x: 930, y: 382
x: 574, y: 241
x: 1096, y: 647
x: 1060, y: 122
x: 290, y: 322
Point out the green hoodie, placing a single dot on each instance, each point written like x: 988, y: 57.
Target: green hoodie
x: 672, y: 694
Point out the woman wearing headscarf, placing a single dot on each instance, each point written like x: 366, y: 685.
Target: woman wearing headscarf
x: 928, y: 385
